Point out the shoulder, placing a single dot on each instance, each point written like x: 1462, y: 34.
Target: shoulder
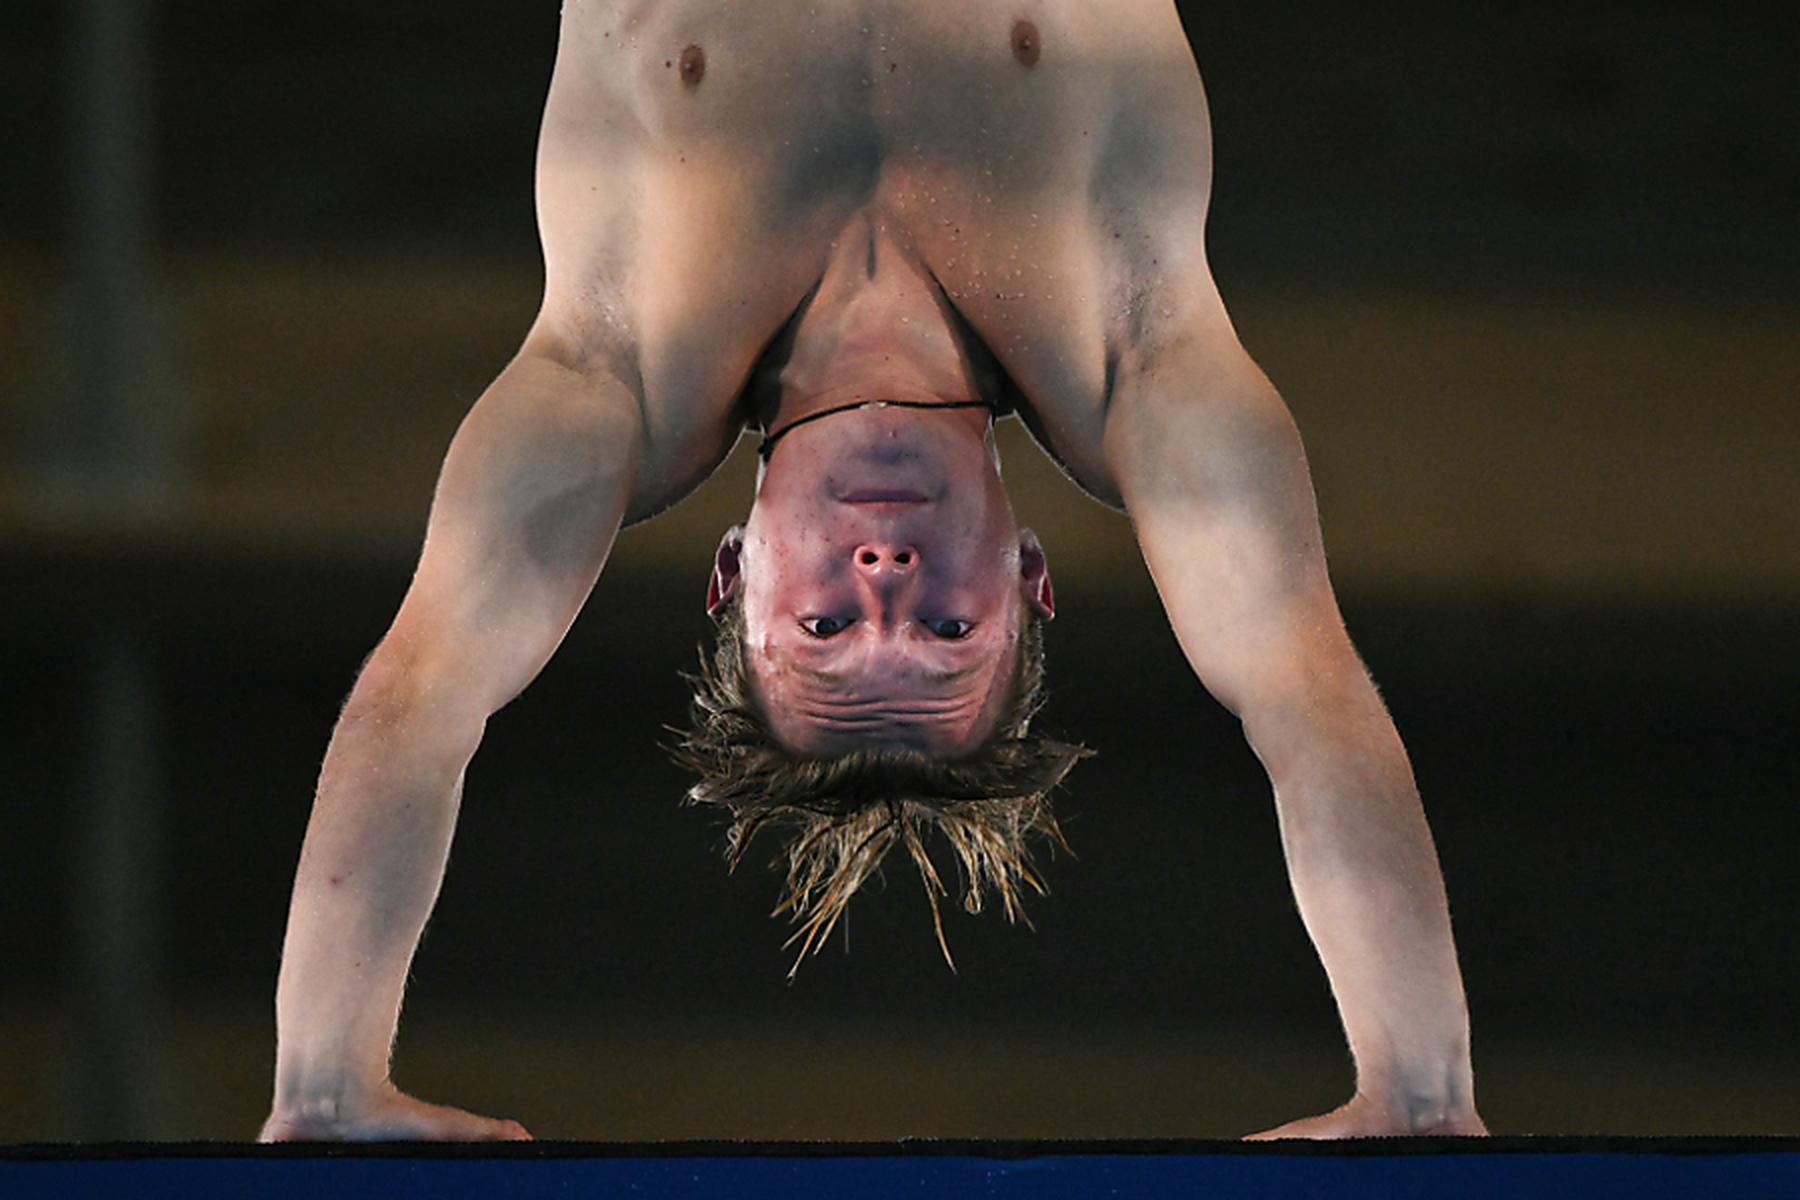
x: 1150, y: 192
x: 1192, y: 418
x: 673, y: 441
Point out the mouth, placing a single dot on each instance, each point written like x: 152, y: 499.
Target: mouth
x: 883, y: 496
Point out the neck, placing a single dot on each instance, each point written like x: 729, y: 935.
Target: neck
x: 790, y: 404
x: 819, y: 408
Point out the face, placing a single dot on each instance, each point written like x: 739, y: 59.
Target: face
x: 884, y: 580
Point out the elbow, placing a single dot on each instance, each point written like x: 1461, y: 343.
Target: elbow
x: 1340, y: 732
x: 1284, y: 739
x: 403, y: 693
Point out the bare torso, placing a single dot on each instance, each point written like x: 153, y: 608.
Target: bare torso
x: 746, y: 205
x: 755, y: 207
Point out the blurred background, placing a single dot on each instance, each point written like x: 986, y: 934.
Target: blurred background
x: 1529, y: 279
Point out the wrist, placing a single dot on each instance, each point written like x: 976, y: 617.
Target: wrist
x: 1423, y: 1098
x: 324, y: 1099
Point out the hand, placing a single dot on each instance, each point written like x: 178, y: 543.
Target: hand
x: 389, y: 1115
x: 1365, y: 1117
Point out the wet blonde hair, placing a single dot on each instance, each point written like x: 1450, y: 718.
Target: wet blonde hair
x: 843, y: 814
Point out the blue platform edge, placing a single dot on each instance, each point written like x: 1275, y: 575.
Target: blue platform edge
x: 1743, y: 1169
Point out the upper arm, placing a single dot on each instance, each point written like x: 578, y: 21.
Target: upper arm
x: 1209, y: 464
x: 530, y: 497
x: 1214, y: 477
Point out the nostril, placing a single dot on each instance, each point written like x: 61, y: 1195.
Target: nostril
x: 868, y: 558
x: 903, y: 558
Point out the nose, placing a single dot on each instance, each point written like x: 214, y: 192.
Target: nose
x: 885, y: 560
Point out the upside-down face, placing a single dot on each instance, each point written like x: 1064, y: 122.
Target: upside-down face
x: 884, y: 578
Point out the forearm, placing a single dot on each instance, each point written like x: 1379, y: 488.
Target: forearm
x: 369, y: 873
x: 1366, y: 877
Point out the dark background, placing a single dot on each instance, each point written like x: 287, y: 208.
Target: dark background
x: 1529, y: 282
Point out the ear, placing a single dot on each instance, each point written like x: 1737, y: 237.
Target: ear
x: 1034, y: 575
x: 727, y: 574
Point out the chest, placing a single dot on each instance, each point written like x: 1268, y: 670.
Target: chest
x: 826, y: 94
x: 981, y: 140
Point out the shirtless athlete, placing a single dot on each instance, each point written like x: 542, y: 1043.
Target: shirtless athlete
x: 766, y: 213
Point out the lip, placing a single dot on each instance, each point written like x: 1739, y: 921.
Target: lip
x: 883, y: 496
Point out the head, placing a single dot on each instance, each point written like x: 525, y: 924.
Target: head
x: 884, y: 583
x: 879, y: 660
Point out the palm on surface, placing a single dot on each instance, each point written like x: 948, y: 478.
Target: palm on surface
x: 390, y: 1115
x: 1364, y: 1117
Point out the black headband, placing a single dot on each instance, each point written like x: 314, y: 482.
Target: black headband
x: 769, y: 439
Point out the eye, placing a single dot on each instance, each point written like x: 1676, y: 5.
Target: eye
x: 822, y: 627
x: 951, y: 629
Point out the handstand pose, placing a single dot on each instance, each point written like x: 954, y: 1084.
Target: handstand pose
x: 778, y: 214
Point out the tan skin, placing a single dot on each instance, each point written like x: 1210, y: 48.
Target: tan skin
x: 883, y: 578
x: 754, y: 212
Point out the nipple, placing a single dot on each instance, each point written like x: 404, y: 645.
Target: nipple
x: 1025, y: 42
x: 693, y: 65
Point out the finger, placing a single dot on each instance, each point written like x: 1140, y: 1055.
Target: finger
x: 481, y: 1129
x: 1293, y: 1129
x: 1348, y: 1120
x: 441, y: 1123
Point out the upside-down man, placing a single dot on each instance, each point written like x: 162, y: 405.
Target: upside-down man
x: 870, y: 229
